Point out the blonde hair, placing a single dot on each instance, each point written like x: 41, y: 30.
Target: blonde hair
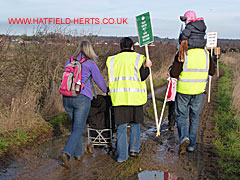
x: 85, y: 47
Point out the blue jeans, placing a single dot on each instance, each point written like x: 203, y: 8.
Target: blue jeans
x: 122, y: 145
x: 188, y: 106
x: 77, y: 108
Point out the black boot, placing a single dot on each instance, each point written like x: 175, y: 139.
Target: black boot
x: 171, y: 122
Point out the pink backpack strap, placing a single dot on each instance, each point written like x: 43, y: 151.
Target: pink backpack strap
x: 82, y: 60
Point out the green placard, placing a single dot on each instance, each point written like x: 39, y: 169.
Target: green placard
x: 145, y: 34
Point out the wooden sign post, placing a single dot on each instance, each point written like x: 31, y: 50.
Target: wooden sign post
x: 164, y: 104
x: 145, y: 36
x: 211, y: 43
x: 217, y: 53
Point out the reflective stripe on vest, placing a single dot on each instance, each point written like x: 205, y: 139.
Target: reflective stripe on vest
x: 125, y: 85
x: 193, y: 78
x: 128, y: 90
x: 135, y: 78
x: 186, y: 69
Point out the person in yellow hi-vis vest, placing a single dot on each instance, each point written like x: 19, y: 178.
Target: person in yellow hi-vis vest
x: 127, y: 72
x: 192, y: 77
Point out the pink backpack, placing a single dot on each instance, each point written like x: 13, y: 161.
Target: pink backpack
x: 71, y: 76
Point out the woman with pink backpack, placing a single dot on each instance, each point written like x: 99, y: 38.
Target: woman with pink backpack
x: 77, y: 102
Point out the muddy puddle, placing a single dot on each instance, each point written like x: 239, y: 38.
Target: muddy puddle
x: 158, y: 159
x: 43, y: 161
x: 159, y: 154
x: 157, y: 175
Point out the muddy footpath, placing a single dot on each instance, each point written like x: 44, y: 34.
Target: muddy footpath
x: 158, y: 158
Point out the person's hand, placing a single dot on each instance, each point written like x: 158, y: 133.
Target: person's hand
x: 148, y: 63
x: 182, y: 50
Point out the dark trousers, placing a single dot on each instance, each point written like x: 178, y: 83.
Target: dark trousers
x: 171, y: 113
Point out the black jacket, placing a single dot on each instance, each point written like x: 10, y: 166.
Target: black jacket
x: 194, y: 32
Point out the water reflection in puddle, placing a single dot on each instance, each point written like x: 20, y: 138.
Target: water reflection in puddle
x: 157, y: 175
x: 9, y: 172
x: 148, y: 132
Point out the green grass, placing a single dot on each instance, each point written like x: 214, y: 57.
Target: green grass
x: 61, y: 124
x: 227, y: 128
x: 15, y: 139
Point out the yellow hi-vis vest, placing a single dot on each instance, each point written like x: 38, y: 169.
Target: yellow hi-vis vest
x: 193, y: 78
x: 125, y: 85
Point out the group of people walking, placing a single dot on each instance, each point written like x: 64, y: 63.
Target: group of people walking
x: 127, y: 72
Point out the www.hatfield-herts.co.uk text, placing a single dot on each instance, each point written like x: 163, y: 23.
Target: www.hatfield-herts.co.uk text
x: 67, y: 20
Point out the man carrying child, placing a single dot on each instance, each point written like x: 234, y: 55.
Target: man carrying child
x: 192, y: 65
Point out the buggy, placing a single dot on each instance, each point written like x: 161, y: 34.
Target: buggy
x: 100, y: 122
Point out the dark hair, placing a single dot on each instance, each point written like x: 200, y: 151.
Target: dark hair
x: 126, y: 43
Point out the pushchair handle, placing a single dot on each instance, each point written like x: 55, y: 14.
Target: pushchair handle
x: 107, y: 91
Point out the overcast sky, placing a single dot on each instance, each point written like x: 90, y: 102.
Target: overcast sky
x: 222, y: 16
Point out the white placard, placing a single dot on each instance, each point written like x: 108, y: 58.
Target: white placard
x: 211, y: 39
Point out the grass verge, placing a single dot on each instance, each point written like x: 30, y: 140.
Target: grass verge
x: 61, y: 124
x: 227, y: 127
x: 12, y: 141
